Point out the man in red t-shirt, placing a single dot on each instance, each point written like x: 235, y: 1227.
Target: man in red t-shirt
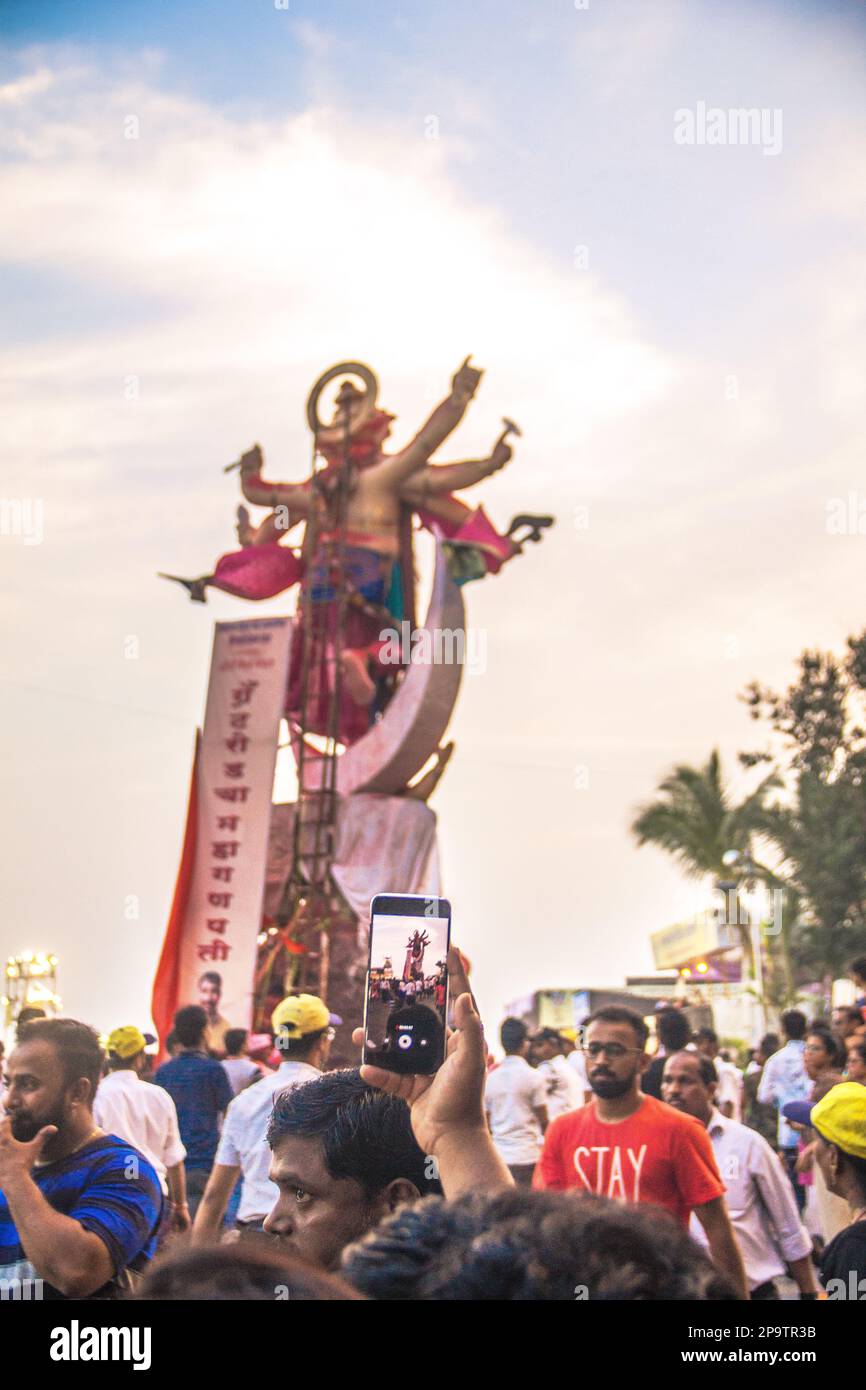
x: 632, y: 1147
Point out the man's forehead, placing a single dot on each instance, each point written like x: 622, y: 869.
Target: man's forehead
x: 40, y: 1058
x: 297, y: 1159
x: 683, y: 1064
x: 601, y: 1028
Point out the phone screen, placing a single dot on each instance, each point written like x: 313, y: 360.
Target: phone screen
x: 407, y: 984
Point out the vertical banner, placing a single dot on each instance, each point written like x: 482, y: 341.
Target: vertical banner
x: 221, y: 916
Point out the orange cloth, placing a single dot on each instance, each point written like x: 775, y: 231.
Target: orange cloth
x: 657, y: 1155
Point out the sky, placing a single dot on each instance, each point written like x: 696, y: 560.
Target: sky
x: 207, y: 204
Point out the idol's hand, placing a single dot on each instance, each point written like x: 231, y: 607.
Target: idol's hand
x: 465, y: 381
x: 253, y: 460
x: 502, y: 454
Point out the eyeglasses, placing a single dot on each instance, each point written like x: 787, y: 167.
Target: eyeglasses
x: 611, y: 1050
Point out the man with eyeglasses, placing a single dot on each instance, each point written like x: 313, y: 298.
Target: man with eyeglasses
x: 631, y: 1147
x: 303, y: 1032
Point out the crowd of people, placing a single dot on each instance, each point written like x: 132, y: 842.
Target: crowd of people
x: 577, y: 1167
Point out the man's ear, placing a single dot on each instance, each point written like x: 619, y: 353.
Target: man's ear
x: 643, y: 1062
x: 835, y: 1155
x: 81, y: 1092
x: 399, y: 1191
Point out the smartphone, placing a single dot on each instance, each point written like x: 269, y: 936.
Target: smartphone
x: 406, y: 1004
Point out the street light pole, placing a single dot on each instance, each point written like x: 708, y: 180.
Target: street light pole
x: 744, y: 865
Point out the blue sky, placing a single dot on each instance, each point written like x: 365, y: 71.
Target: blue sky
x: 695, y: 381
x: 560, y: 117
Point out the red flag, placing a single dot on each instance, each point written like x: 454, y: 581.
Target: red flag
x: 164, y: 1000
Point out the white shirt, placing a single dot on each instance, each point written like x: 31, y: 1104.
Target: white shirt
x: 562, y: 1087
x: 243, y: 1143
x: 512, y: 1090
x: 143, y: 1115
x: 784, y: 1078
x: 730, y: 1087
x: 577, y: 1062
x: 760, y: 1201
x: 240, y: 1072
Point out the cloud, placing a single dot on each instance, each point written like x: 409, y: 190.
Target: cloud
x: 182, y: 289
x: 263, y: 243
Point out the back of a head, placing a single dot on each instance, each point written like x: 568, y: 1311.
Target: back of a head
x: 234, y: 1041
x: 189, y: 1025
x: 857, y: 968
x: 365, y: 1134
x: 520, y: 1245
x: 769, y: 1044
x: 673, y: 1029
x: 76, y: 1044
x: 794, y: 1025
x: 513, y: 1034
x: 27, y: 1015
x: 251, y: 1269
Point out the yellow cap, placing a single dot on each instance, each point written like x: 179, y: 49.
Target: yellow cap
x: 126, y: 1042
x: 840, y: 1118
x: 300, y: 1014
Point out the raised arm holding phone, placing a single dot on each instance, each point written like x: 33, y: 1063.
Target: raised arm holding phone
x: 447, y: 1108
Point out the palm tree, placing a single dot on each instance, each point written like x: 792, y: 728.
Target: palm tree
x: 694, y: 819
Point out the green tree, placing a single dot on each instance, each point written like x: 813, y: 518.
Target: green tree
x: 694, y: 819
x: 817, y: 825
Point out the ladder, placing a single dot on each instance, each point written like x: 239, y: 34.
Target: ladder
x: 310, y: 899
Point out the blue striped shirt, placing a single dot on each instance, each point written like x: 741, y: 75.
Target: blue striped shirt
x: 109, y: 1188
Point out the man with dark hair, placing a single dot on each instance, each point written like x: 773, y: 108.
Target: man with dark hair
x: 515, y: 1101
x: 559, y: 1078
x: 237, y: 1066
x: 784, y: 1080
x: 230, y: 1273
x: 857, y: 972
x: 145, y: 1116
x: 839, y: 1122
x: 343, y: 1156
x: 79, y: 1209
x: 210, y: 992
x: 729, y: 1093
x: 673, y: 1032
x: 758, y: 1195
x: 632, y: 1147
x: 757, y: 1116
x: 845, y: 1020
x: 855, y: 1065
x: 201, y: 1092
x: 519, y: 1245
x: 28, y: 1014
x: 303, y: 1031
